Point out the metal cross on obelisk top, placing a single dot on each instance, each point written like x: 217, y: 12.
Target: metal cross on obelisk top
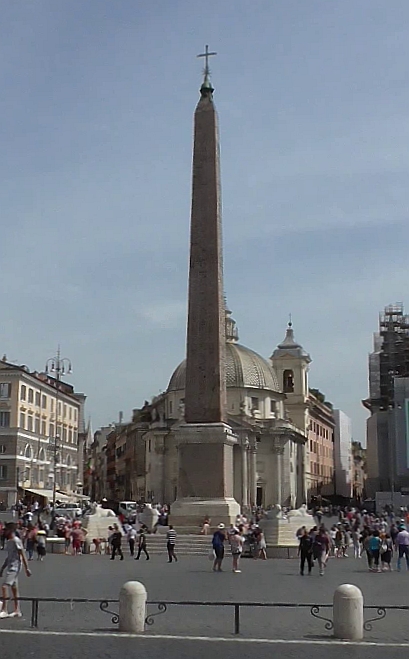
x: 206, y: 55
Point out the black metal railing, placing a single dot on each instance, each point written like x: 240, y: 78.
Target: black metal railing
x: 163, y: 606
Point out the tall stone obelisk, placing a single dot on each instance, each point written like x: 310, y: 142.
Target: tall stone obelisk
x: 205, y: 484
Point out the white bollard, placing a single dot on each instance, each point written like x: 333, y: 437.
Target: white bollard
x: 348, y: 613
x: 132, y: 607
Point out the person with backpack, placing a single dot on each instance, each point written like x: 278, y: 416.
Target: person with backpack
x: 305, y: 551
x: 219, y: 538
x: 321, y: 548
x: 375, y: 548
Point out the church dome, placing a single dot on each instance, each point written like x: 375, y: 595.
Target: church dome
x: 244, y: 367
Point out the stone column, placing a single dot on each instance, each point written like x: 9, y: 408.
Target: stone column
x: 253, y: 472
x: 245, y: 474
x: 278, y: 451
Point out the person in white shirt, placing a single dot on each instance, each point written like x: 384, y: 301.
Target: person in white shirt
x: 131, y: 537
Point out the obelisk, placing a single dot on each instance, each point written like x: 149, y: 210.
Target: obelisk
x: 205, y: 483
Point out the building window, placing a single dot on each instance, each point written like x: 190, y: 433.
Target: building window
x: 64, y: 434
x: 70, y: 436
x: 311, y: 445
x: 22, y: 420
x: 2, y: 448
x: 41, y: 475
x: 38, y: 398
x: 30, y: 396
x: 30, y: 423
x: 37, y: 426
x: 170, y: 407
x: 254, y: 403
x: 3, y: 472
x: 5, y: 390
x: 59, y: 409
x: 51, y: 429
x: 288, y: 381
x: 41, y: 456
x: 44, y: 402
x: 75, y: 437
x: 52, y: 404
x: 28, y: 452
x: 23, y: 392
x: 43, y: 428
x: 70, y: 413
x: 65, y: 410
x: 4, y: 419
x: 75, y: 414
x: 272, y: 406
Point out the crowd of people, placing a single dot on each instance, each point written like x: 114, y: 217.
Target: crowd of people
x: 379, y: 538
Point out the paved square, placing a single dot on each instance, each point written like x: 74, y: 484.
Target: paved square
x: 192, y: 579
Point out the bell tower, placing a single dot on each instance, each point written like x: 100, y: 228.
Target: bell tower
x: 291, y: 363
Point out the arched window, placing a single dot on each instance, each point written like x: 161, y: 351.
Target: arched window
x: 28, y: 453
x: 68, y: 461
x: 288, y: 381
x: 41, y: 455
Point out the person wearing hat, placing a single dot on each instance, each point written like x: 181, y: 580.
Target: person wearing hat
x: 218, y: 540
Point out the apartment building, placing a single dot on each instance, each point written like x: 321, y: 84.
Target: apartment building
x: 39, y: 422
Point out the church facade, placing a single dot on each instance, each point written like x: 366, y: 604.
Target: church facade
x: 271, y: 457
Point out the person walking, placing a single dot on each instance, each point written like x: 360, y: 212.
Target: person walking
x: 375, y: 548
x: 355, y: 541
x: 131, y: 537
x: 402, y: 544
x: 30, y: 541
x: 386, y: 553
x: 171, y: 543
x: 218, y: 541
x: 142, y: 542
x: 305, y: 551
x: 41, y: 540
x: 236, y: 544
x: 12, y: 565
x: 116, y: 541
x: 262, y: 546
x: 321, y: 549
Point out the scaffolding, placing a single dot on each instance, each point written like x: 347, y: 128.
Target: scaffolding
x: 394, y: 353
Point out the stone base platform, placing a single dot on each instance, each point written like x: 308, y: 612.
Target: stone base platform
x: 187, y: 515
x: 282, y: 552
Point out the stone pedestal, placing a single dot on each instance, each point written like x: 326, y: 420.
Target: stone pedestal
x: 280, y: 531
x: 97, y: 524
x: 149, y: 517
x: 205, y: 476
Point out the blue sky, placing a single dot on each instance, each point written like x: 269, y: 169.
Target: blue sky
x: 96, y: 131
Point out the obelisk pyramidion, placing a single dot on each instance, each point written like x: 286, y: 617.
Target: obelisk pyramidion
x: 205, y: 483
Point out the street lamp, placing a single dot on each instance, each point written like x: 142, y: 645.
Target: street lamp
x: 20, y: 476
x: 58, y: 367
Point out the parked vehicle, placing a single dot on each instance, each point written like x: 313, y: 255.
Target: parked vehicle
x: 73, y: 510
x: 127, y: 508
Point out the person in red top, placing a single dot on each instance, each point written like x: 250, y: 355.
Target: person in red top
x: 76, y: 535
x: 321, y: 548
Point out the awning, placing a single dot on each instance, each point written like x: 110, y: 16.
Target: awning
x: 48, y: 494
x: 73, y: 496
